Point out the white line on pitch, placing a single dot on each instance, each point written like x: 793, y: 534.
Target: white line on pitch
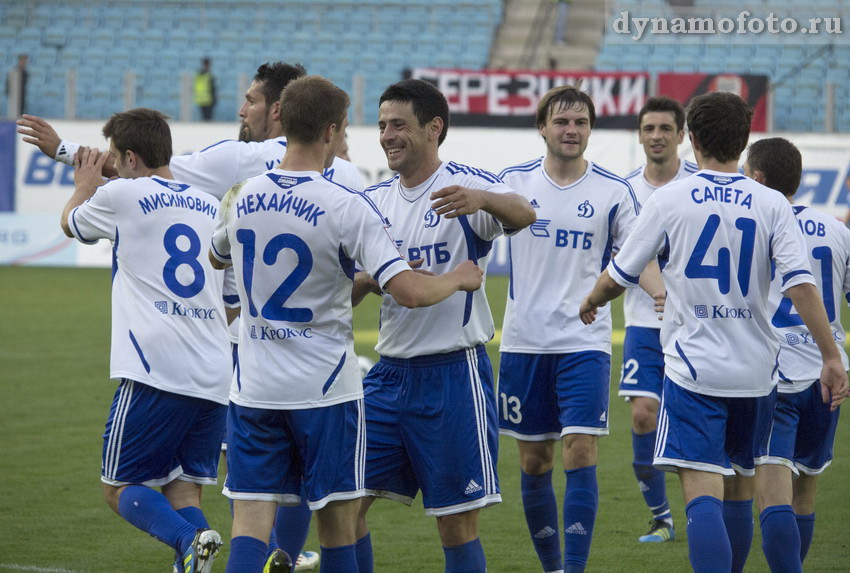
x: 34, y: 569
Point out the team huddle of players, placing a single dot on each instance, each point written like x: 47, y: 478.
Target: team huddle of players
x: 747, y: 278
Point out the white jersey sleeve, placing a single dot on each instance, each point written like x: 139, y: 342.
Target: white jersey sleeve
x: 556, y: 261
x: 293, y: 238
x: 828, y: 248
x: 218, y: 167
x: 169, y: 329
x: 463, y: 320
x: 716, y: 234
x: 638, y: 307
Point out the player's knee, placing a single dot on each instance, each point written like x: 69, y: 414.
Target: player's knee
x: 579, y: 451
x: 644, y: 416
x: 111, y: 495
x: 458, y: 529
x: 644, y: 421
x: 535, y: 464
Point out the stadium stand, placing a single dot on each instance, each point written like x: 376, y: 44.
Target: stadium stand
x: 159, y: 40
x: 162, y: 40
x: 798, y: 73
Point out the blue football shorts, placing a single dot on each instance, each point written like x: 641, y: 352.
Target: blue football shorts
x: 803, y: 432
x: 153, y: 437
x: 711, y: 433
x: 269, y: 452
x: 431, y: 425
x: 643, y: 363
x: 547, y: 396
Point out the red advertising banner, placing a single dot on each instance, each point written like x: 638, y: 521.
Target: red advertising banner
x: 500, y: 98
x: 752, y: 88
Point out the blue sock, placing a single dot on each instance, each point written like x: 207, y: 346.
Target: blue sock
x: 466, y: 558
x: 652, y: 481
x: 806, y: 527
x: 365, y: 559
x: 338, y: 559
x: 291, y: 527
x: 247, y: 555
x: 738, y: 517
x: 195, y: 516
x: 708, y: 543
x: 151, y: 512
x: 541, y: 515
x: 580, y: 502
x: 780, y: 539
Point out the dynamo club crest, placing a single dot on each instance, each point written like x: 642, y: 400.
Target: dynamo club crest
x: 431, y: 219
x: 585, y: 210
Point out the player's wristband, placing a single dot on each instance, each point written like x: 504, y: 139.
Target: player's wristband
x: 66, y: 151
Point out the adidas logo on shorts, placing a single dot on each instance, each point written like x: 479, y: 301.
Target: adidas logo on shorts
x: 472, y: 487
x: 576, y: 529
x: 544, y: 533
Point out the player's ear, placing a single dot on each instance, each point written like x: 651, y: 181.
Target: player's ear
x: 275, y: 110
x: 681, y: 137
x: 435, y: 128
x: 330, y: 131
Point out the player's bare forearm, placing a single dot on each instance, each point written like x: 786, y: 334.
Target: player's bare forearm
x: 652, y: 283
x: 511, y: 209
x: 87, y: 167
x: 414, y: 290
x: 217, y: 264
x: 603, y: 291
x: 362, y: 285
x: 38, y: 132
x: 809, y: 306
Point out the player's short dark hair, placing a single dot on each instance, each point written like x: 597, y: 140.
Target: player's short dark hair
x: 275, y: 76
x: 143, y: 131
x: 309, y: 105
x: 664, y: 104
x: 428, y: 102
x: 720, y: 124
x: 564, y: 97
x: 780, y: 162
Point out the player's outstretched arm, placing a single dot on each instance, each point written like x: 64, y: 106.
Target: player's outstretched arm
x: 604, y: 290
x: 810, y: 307
x: 38, y: 131
x: 412, y: 289
x: 510, y: 209
x: 365, y: 284
x: 87, y: 178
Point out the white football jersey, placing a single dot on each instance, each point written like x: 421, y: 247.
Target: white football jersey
x: 555, y: 262
x: 226, y: 163
x: 293, y: 239
x: 168, y: 324
x: 717, y: 233
x: 828, y: 247
x: 218, y: 167
x: 638, y: 307
x: 463, y: 320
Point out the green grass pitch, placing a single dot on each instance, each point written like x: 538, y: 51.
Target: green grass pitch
x: 54, y: 349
